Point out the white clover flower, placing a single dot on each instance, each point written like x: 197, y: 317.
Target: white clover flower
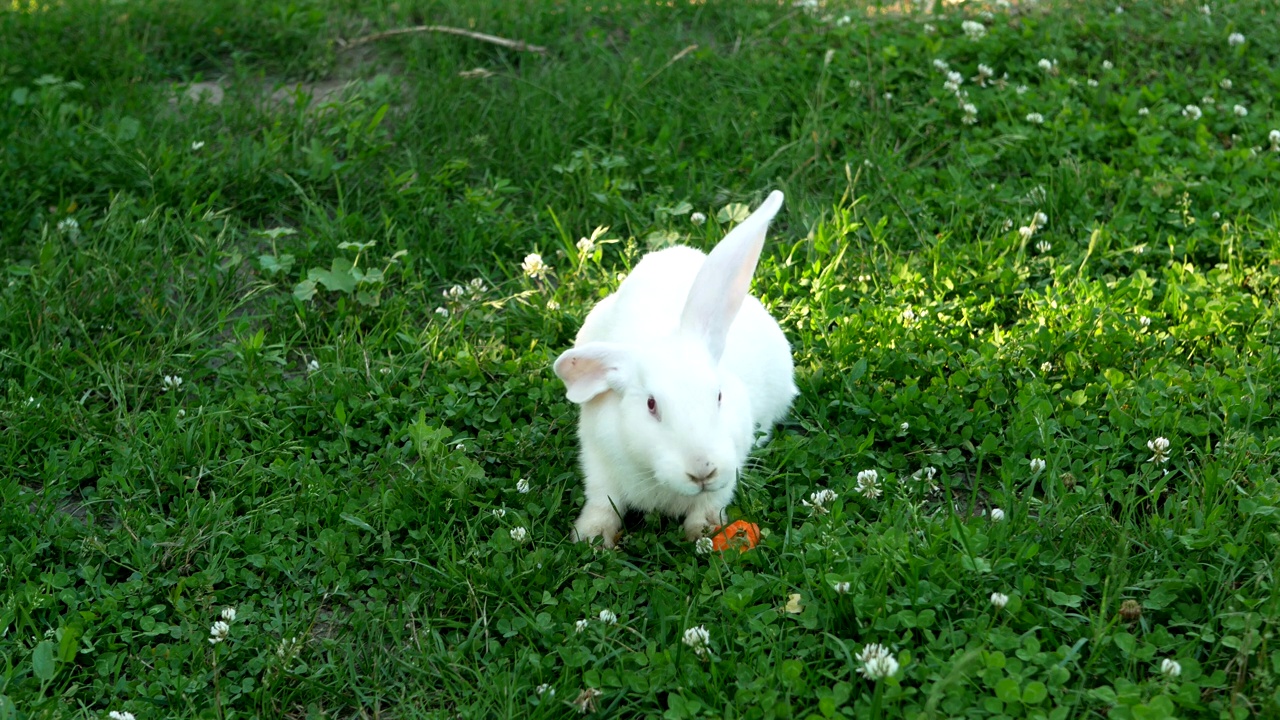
x: 844, y: 20
x: 1119, y: 10
x: 954, y: 80
x: 1037, y: 466
x: 925, y: 473
x: 1206, y: 10
x: 930, y: 28
x: 70, y: 228
x: 197, y: 145
x: 313, y: 365
x: 904, y: 426
x: 519, y: 534
x: 941, y: 65
x: 1170, y: 668
x: 1207, y: 101
x: 877, y: 662
x: 703, y: 546
x: 1035, y: 118
x: 909, y: 315
x: 586, y: 246
x: 171, y: 382
x: 1144, y: 112
x: 1021, y: 89
x: 218, y: 632
x: 818, y: 501
x: 1159, y: 450
x: 1144, y: 321
x: 442, y: 311
x: 522, y: 486
x: 1046, y: 64
x: 1073, y: 82
x: 1044, y: 246
x: 1225, y: 83
x: 476, y: 286
x: 697, y: 218
x: 1274, y: 137
x: 974, y: 30
x: 1040, y: 219
x: 888, y: 96
x: 970, y: 114
x: 608, y: 617
x: 868, y: 485
x: 1026, y: 231
x: 985, y: 71
x: 1046, y: 367
x: 499, y: 512
x: 534, y: 267
x: 229, y: 614
x: 1235, y: 38
x: 453, y: 293
x: 841, y: 587
x: 117, y: 715
x: 999, y: 600
x: 1191, y: 111
x: 552, y: 305
x: 1091, y: 82
x: 997, y: 515
x: 581, y: 625
x: 1004, y: 4
x: 181, y: 413
x: 1107, y: 65
x: 1240, y: 110
x: 545, y: 689
x: 697, y: 638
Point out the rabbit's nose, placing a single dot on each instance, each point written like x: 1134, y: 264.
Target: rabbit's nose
x: 703, y: 474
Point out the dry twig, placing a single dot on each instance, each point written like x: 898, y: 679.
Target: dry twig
x: 494, y: 39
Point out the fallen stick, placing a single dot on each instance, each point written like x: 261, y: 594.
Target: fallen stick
x: 494, y: 39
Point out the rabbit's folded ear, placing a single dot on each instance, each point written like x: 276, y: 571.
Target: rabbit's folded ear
x: 594, y: 368
x: 722, y: 283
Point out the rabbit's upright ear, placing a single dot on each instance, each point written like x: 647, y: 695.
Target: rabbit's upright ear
x: 722, y: 283
x: 594, y: 368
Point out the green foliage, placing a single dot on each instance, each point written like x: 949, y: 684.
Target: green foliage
x: 280, y: 354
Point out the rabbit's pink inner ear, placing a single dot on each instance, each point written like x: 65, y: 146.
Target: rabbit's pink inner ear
x: 725, y: 278
x: 590, y: 370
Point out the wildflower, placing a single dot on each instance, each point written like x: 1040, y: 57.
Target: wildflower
x: 997, y: 514
x: 313, y: 365
x: 1119, y: 10
x: 818, y: 501
x: 930, y: 28
x: 1235, y: 38
x: 287, y: 647
x: 697, y: 218
x: 1046, y: 367
x: 954, y: 81
x: 877, y: 662
x: 1170, y: 668
x: 867, y: 484
x: 1047, y: 65
x: 1159, y: 450
x: 608, y: 617
x: 699, y: 639
x: 888, y: 96
x: 117, y: 715
x: 1191, y: 111
x: 218, y: 632
x: 1130, y: 610
x: 1107, y: 65
x: 970, y: 114
x: 984, y: 72
x: 522, y: 486
x: 973, y: 29
x: 229, y: 614
x: 586, y: 246
x: 1044, y: 246
x: 172, y: 382
x: 841, y: 587
x: 1274, y: 137
x: 476, y: 286
x: 453, y: 293
x: 499, y: 512
x: 1026, y: 231
x: 904, y: 427
x: 1073, y: 82
x: 999, y: 600
x: 586, y: 700
x: 181, y: 413
x: 70, y: 228
x: 1207, y: 100
x: 519, y: 533
x: 442, y: 311
x: 1240, y: 110
x: 909, y: 315
x: 925, y: 473
x: 1206, y: 10
x: 844, y: 20
x: 581, y: 625
x: 1144, y: 112
x: 1037, y: 466
x: 1035, y: 118
x: 703, y: 546
x: 197, y: 145
x: 941, y: 65
x: 552, y: 305
x: 1091, y: 82
x: 1225, y: 83
x: 545, y: 689
x: 1021, y: 89
x: 1040, y: 220
x: 534, y: 267
x: 1144, y: 321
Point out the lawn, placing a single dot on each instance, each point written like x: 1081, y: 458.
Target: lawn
x: 279, y: 435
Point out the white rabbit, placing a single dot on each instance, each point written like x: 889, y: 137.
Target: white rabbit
x: 676, y: 372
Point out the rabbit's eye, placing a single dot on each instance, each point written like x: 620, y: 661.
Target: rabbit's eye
x: 653, y: 406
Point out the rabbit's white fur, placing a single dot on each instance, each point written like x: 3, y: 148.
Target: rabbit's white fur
x: 681, y: 329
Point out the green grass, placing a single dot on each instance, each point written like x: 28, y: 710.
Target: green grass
x: 364, y: 505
